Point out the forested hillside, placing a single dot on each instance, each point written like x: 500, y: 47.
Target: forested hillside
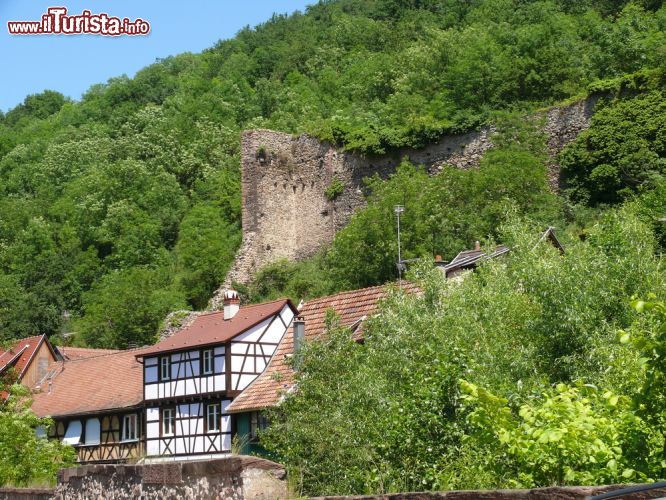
x: 125, y: 205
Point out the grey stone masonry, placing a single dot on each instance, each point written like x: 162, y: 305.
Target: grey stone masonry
x: 286, y: 213
x: 231, y: 478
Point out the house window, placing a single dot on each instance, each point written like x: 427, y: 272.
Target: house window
x: 92, y: 431
x: 207, y: 356
x: 213, y: 418
x: 130, y: 427
x: 258, y: 422
x: 168, y: 421
x: 165, y: 368
x: 73, y: 433
x: 42, y: 367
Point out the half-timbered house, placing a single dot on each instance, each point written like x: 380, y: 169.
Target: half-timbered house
x: 352, y: 308
x: 96, y: 403
x: 190, y: 378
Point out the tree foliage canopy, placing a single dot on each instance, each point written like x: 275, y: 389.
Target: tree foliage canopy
x: 25, y: 458
x: 129, y: 176
x: 514, y: 377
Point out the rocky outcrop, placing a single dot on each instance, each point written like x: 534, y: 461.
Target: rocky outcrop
x: 176, y: 321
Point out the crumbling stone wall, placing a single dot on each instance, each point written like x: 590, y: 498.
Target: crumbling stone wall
x: 232, y: 478
x: 285, y: 210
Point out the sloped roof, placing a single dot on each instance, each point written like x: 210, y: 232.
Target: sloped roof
x: 21, y: 353
x: 353, y: 307
x: 91, y: 385
x: 470, y: 258
x: 72, y: 353
x: 549, y: 234
x: 212, y: 328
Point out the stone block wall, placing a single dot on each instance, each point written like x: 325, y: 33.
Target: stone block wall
x: 555, y: 492
x: 232, y: 478
x: 26, y: 493
x: 286, y: 213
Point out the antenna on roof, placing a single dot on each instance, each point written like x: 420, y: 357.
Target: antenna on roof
x: 398, y: 209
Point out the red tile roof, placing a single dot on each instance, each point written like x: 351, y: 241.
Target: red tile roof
x: 20, y: 353
x: 212, y: 328
x: 72, y: 353
x: 352, y: 307
x: 92, y: 385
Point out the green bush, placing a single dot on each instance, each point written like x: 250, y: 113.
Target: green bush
x: 25, y: 458
x: 621, y: 153
x: 389, y: 415
x: 334, y: 189
x: 570, y: 435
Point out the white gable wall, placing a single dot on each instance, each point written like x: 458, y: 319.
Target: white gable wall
x: 190, y: 436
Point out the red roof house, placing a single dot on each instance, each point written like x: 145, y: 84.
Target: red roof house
x: 352, y: 307
x: 29, y: 358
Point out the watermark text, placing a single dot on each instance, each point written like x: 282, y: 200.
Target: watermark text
x: 56, y: 22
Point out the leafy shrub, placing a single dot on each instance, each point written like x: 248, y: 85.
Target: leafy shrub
x: 334, y: 189
x: 26, y: 458
x: 622, y: 152
x: 570, y: 435
x: 361, y: 421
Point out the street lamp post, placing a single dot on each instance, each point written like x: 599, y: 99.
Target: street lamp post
x: 398, y: 209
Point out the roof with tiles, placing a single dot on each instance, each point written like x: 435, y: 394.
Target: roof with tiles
x: 92, y: 385
x: 20, y: 353
x: 72, y: 353
x: 353, y: 307
x: 212, y: 328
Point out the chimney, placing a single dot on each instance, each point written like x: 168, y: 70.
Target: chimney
x: 299, y: 333
x: 231, y: 304
x: 477, y: 245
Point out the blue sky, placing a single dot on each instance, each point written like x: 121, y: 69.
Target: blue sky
x: 72, y: 63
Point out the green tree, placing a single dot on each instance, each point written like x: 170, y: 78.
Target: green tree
x: 622, y: 152
x: 649, y: 338
x: 126, y: 308
x: 25, y: 458
x: 205, y: 250
x: 516, y: 327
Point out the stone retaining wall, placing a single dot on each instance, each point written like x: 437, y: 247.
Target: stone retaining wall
x: 232, y: 478
x: 557, y: 493
x: 253, y: 478
x: 26, y: 493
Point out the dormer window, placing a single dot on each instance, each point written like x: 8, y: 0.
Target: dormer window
x: 207, y: 360
x: 165, y: 368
